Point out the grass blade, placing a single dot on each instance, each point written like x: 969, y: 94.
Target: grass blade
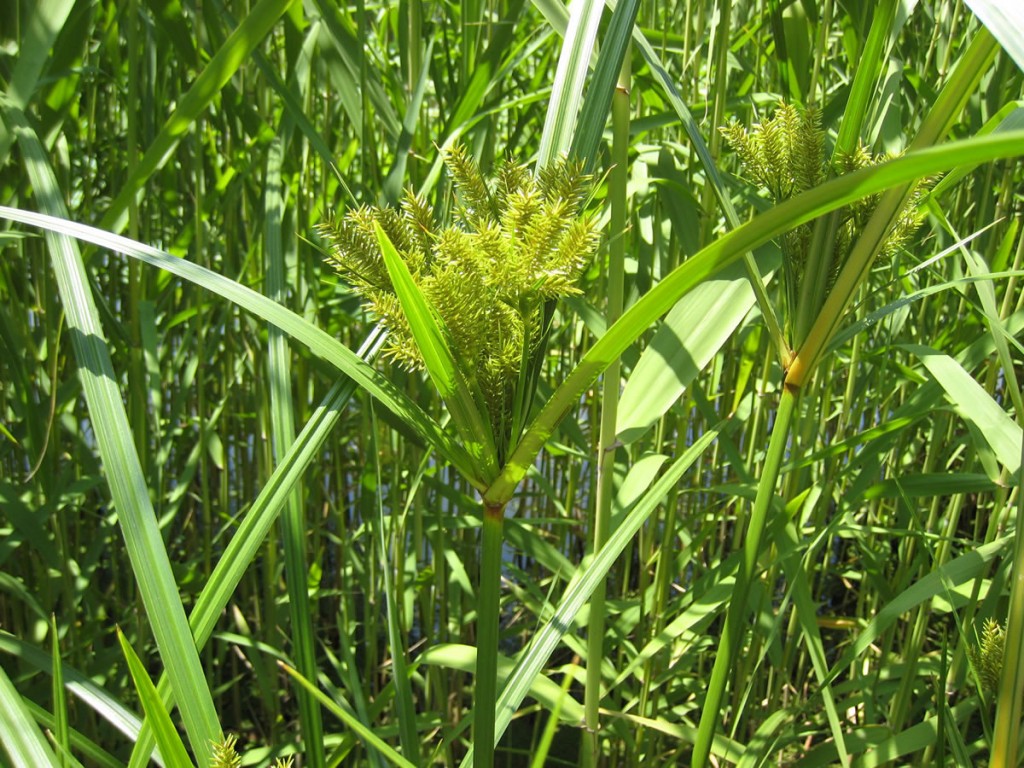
x: 1005, y: 20
x: 21, y: 738
x: 976, y: 406
x: 594, y: 115
x: 167, y: 737
x: 84, y: 690
x: 567, y: 92
x: 297, y: 328
x: 60, y: 705
x: 694, y: 331
x: 717, y: 185
x: 463, y: 397
x: 724, y: 251
x: 40, y: 32
x: 150, y: 563
x: 364, y: 732
x: 542, y: 688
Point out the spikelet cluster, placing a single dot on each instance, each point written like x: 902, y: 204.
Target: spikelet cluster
x: 785, y: 155
x: 987, y: 656
x: 517, y: 242
x: 225, y: 755
x: 856, y: 215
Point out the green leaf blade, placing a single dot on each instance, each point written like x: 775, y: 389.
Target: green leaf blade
x: 464, y: 400
x: 167, y: 738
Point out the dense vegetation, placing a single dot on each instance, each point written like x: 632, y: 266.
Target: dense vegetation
x: 380, y: 383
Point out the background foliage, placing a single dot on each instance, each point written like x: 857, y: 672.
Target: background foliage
x: 280, y: 511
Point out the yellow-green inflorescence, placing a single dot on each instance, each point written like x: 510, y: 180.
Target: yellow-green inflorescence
x: 518, y: 242
x: 225, y: 755
x: 987, y: 657
x: 785, y: 155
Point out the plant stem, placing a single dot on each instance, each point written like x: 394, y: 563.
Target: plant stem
x: 617, y: 194
x: 736, y: 612
x: 292, y: 521
x: 487, y: 622
x: 1005, y: 739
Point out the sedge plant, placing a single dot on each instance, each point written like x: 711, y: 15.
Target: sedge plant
x: 785, y: 155
x: 293, y: 83
x: 827, y: 261
x: 472, y: 304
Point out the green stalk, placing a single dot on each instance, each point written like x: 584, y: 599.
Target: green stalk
x: 391, y: 566
x: 292, y: 521
x: 618, y: 178
x: 719, y: 100
x: 1005, y: 739
x: 472, y: 17
x: 729, y: 646
x: 136, y: 288
x: 487, y: 623
x: 414, y: 39
x: 547, y: 737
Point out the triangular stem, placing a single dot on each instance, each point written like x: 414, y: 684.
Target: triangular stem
x: 488, y: 618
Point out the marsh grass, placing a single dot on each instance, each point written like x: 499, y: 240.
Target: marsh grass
x: 217, y: 516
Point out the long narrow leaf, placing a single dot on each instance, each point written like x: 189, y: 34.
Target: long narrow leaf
x: 361, y: 729
x: 151, y: 565
x: 84, y: 690
x: 60, y: 703
x: 807, y: 614
x: 298, y: 329
x: 975, y: 405
x: 19, y: 736
x: 1005, y: 20
x: 245, y: 544
x: 167, y: 737
x: 727, y: 249
x: 542, y: 688
x: 567, y: 92
x: 694, y: 331
x: 594, y: 115
x: 464, y: 400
